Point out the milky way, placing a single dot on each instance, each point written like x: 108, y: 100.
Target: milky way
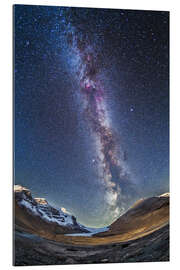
x: 91, y: 107
x: 110, y: 163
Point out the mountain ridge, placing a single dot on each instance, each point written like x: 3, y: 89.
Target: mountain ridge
x: 36, y: 215
x: 145, y: 215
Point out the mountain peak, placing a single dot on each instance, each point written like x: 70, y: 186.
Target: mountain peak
x: 167, y: 194
x: 41, y: 200
x: 19, y: 188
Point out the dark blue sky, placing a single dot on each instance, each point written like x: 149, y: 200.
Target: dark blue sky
x: 54, y: 151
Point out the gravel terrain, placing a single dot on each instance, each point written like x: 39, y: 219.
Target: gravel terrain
x: 34, y: 250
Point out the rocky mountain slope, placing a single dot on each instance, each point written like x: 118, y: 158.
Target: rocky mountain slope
x: 35, y: 215
x: 145, y: 216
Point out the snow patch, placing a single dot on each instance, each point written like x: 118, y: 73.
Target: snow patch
x: 29, y: 206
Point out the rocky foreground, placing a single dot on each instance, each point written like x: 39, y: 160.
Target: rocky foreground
x: 33, y: 250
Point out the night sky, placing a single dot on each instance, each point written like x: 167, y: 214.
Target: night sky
x: 91, y: 107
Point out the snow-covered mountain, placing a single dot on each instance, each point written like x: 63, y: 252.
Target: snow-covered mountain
x: 30, y: 211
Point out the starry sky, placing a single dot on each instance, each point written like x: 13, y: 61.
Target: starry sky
x: 91, y: 107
